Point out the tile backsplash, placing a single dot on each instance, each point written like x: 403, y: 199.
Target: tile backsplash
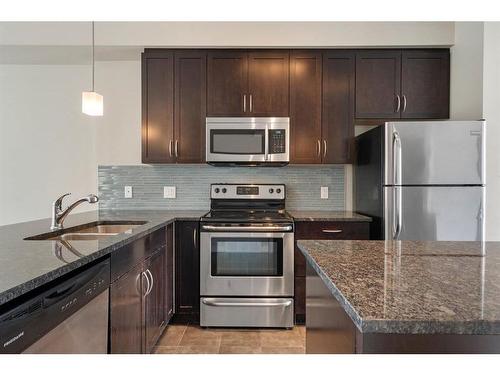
x: 192, y: 182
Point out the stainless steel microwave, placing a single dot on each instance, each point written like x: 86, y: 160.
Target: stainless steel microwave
x: 248, y: 141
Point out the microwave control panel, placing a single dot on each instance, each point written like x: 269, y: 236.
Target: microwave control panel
x: 277, y: 141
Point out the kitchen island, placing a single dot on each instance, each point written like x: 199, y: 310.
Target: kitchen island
x: 402, y: 297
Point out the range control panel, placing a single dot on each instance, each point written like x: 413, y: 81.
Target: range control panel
x: 247, y: 191
x: 277, y: 141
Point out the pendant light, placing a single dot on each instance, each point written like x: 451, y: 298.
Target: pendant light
x: 92, y: 102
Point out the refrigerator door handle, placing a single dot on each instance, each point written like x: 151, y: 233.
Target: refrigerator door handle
x: 396, y: 158
x: 397, y: 209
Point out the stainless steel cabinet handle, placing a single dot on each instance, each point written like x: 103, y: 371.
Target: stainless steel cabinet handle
x: 152, y: 282
x: 195, y: 237
x: 210, y: 302
x: 332, y: 230
x: 319, y: 148
x: 277, y: 228
x: 251, y: 103
x: 144, y: 274
x: 244, y: 102
x: 325, y: 148
x: 170, y: 148
x: 176, y: 148
x: 399, y: 103
x: 404, y: 103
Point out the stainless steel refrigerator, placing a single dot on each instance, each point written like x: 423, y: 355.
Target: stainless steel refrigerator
x: 423, y: 180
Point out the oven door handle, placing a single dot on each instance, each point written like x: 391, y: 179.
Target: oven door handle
x: 210, y: 302
x: 280, y: 228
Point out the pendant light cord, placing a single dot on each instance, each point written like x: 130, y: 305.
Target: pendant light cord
x: 93, y: 58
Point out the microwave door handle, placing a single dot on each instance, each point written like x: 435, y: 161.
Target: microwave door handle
x: 266, y: 144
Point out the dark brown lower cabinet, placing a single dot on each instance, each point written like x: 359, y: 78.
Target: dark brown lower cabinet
x: 126, y: 319
x: 138, y: 298
x: 154, y: 301
x: 187, y: 272
x: 320, y: 230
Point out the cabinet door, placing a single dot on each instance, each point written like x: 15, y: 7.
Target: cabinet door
x: 268, y: 83
x: 157, y: 107
x: 425, y: 84
x: 126, y: 318
x: 227, y: 82
x: 378, y: 84
x: 338, y: 106
x: 187, y: 271
x: 154, y: 301
x: 169, y: 274
x: 190, y: 106
x: 305, y: 107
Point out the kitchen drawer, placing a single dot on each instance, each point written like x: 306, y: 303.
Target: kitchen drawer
x: 332, y: 230
x: 157, y: 240
x: 127, y: 257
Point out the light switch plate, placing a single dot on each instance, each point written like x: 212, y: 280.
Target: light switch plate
x: 324, y: 192
x: 128, y: 191
x: 169, y: 192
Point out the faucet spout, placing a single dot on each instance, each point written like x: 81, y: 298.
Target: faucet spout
x: 58, y: 214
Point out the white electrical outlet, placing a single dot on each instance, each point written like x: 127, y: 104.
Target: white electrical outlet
x: 128, y: 191
x: 324, y: 192
x: 169, y: 192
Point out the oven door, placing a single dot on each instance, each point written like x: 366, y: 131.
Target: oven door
x: 247, y: 140
x: 246, y: 264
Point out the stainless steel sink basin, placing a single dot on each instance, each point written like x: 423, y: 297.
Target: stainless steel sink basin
x: 90, y: 231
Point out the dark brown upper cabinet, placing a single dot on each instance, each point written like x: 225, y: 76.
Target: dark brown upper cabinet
x: 305, y: 107
x: 190, y: 106
x: 378, y: 84
x: 242, y: 83
x: 403, y: 84
x: 173, y: 106
x: 425, y: 84
x: 268, y: 83
x: 158, y: 107
x: 338, y: 106
x: 227, y: 83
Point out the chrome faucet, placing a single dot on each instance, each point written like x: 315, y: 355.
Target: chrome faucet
x: 58, y: 214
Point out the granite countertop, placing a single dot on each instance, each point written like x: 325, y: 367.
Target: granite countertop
x: 299, y: 215
x: 412, y: 287
x: 28, y: 264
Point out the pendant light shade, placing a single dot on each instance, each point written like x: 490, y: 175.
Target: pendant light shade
x: 92, y: 102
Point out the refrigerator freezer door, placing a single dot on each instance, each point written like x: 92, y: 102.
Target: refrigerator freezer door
x: 434, y: 153
x: 434, y: 213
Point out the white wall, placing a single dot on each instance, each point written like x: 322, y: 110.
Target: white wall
x: 47, y: 145
x: 466, y: 80
x: 118, y: 132
x: 229, y: 34
x: 491, y: 112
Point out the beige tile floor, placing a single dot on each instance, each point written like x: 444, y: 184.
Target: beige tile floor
x: 190, y: 339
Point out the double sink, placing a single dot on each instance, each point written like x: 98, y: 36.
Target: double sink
x: 91, y: 231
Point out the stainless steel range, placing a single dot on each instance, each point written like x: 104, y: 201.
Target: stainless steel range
x: 246, y: 258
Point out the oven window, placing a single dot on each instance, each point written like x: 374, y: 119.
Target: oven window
x: 243, y: 142
x: 247, y: 256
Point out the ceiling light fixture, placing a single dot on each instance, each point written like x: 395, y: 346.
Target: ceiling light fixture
x: 92, y: 102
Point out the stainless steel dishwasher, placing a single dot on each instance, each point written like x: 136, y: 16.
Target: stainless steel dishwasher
x: 71, y: 317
